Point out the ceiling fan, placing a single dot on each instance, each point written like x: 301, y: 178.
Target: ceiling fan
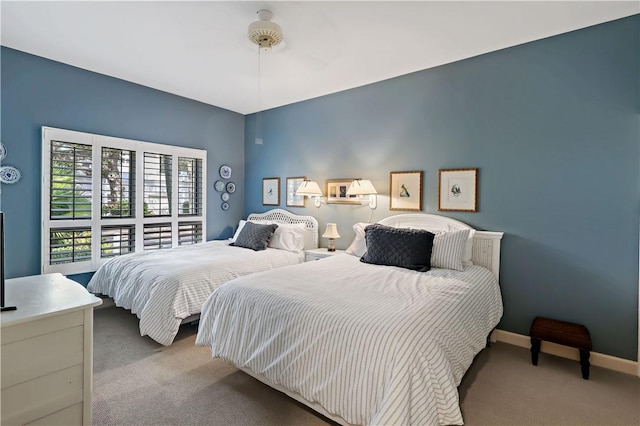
x: 302, y: 47
x: 264, y: 32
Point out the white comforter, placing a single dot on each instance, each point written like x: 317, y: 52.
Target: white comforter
x: 164, y: 287
x: 371, y: 344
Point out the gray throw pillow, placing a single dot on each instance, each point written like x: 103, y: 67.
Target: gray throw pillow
x: 403, y: 247
x: 255, y: 236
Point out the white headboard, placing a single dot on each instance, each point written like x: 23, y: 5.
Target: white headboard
x: 486, y: 245
x: 283, y: 216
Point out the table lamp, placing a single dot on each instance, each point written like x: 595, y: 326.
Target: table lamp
x: 331, y: 233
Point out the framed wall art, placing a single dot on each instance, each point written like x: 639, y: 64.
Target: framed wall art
x: 271, y: 191
x: 294, y: 200
x: 458, y: 190
x: 336, y: 190
x: 405, y: 191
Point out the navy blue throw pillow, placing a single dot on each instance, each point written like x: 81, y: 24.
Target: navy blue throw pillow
x: 255, y: 236
x: 403, y: 247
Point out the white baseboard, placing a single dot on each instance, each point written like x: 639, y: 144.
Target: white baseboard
x: 597, y: 359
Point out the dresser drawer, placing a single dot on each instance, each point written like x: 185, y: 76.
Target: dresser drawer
x: 27, y: 359
x: 34, y: 399
x: 40, y: 327
x: 69, y: 416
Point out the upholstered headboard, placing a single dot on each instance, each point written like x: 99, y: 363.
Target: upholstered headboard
x: 284, y: 216
x: 486, y: 245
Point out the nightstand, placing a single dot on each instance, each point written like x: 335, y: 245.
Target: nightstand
x: 319, y: 253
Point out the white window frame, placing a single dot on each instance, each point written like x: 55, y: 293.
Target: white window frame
x: 96, y: 222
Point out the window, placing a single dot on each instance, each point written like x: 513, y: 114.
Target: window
x: 157, y: 184
x: 118, y: 182
x: 117, y: 240
x: 190, y: 186
x: 70, y: 170
x: 143, y: 196
x: 189, y: 233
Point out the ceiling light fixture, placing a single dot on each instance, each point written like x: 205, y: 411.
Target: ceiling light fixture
x: 265, y: 34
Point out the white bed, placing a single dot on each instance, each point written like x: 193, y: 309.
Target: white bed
x: 165, y: 288
x: 363, y: 343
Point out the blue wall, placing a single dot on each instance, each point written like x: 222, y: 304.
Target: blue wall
x: 552, y: 125
x: 38, y: 92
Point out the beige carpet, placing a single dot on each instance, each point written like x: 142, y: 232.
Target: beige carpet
x: 139, y: 382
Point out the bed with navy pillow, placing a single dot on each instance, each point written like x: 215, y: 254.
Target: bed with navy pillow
x: 381, y: 334
x: 165, y: 288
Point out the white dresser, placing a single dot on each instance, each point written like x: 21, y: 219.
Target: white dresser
x: 47, y: 351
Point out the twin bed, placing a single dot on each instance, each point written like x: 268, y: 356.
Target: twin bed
x: 361, y: 343
x: 166, y: 288
x: 365, y: 343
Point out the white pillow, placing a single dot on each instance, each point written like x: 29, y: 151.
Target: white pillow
x: 358, y: 246
x: 449, y: 249
x: 289, y: 236
x: 240, y: 226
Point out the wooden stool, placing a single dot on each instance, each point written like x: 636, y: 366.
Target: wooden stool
x: 562, y: 333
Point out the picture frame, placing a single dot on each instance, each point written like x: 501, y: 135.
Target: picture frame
x: 293, y: 183
x: 405, y: 190
x: 458, y: 190
x: 336, y: 190
x: 271, y: 191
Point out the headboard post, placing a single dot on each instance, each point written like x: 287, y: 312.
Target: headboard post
x: 486, y: 250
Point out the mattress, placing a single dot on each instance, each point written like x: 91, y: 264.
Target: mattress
x: 370, y: 344
x: 163, y: 287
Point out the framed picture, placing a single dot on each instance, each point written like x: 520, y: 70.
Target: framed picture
x: 336, y: 190
x: 271, y: 191
x: 458, y: 190
x: 405, y: 191
x: 294, y: 200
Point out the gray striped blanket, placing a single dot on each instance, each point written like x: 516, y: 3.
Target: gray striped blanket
x: 371, y: 344
x: 164, y: 287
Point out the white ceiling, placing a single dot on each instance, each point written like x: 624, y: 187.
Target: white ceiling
x: 200, y: 50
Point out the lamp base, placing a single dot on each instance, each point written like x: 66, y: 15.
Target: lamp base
x: 332, y: 245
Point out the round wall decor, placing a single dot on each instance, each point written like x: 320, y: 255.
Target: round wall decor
x: 9, y: 174
x: 219, y: 186
x: 225, y: 171
x: 231, y: 187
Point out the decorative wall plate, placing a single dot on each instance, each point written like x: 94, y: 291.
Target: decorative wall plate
x: 225, y: 172
x: 9, y: 174
x: 225, y: 206
x: 3, y: 151
x: 231, y: 187
x: 219, y: 186
x: 225, y: 196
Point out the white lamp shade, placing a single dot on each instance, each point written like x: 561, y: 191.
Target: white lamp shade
x: 331, y: 231
x: 309, y: 188
x: 361, y: 187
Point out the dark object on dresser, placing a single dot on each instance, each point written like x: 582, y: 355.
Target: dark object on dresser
x: 562, y: 333
x: 2, y: 307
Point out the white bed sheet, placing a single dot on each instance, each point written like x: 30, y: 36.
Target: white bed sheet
x: 164, y: 287
x: 371, y: 344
